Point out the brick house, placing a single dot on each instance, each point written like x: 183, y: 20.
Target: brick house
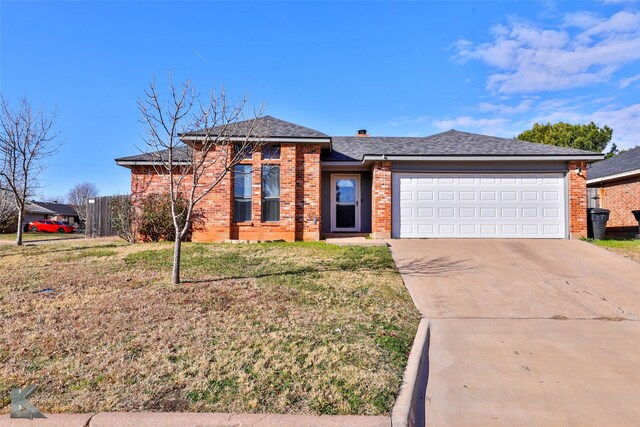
x: 617, y: 184
x: 306, y: 185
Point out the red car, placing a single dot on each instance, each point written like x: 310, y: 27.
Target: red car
x: 50, y: 226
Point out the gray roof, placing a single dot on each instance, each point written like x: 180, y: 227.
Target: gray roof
x: 58, y: 208
x: 623, y: 162
x: 34, y: 208
x: 181, y: 153
x: 352, y: 148
x: 449, y: 143
x: 270, y: 126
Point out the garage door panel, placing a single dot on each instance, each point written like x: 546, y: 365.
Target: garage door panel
x: 481, y: 205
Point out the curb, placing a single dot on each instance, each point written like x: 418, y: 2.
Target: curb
x: 409, y: 410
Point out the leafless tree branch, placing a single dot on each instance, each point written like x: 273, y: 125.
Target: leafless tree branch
x: 26, y: 139
x: 195, y: 166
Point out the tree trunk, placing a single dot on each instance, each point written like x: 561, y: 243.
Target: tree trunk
x: 19, y: 230
x: 175, y: 275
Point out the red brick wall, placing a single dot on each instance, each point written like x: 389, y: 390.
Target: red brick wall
x: 577, y: 200
x: 381, y: 200
x: 299, y: 198
x: 308, y: 216
x: 621, y: 197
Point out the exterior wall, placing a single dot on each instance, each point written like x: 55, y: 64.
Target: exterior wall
x: 365, y: 200
x: 620, y: 197
x: 299, y: 198
x: 577, y: 200
x: 308, y: 190
x: 381, y: 200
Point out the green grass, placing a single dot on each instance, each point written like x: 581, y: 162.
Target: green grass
x: 627, y: 247
x: 274, y: 327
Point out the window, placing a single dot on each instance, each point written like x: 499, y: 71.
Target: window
x: 270, y: 193
x: 242, y: 193
x: 244, y: 152
x: 270, y: 152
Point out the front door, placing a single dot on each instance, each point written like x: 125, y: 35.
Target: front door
x: 345, y: 209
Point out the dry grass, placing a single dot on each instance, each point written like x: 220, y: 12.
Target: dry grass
x: 285, y: 328
x: 27, y: 237
x: 626, y: 247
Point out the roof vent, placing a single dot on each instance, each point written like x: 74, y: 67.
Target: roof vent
x: 362, y: 133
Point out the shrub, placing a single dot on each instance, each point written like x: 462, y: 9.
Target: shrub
x: 156, y: 222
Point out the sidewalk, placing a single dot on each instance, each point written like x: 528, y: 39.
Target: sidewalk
x: 186, y: 419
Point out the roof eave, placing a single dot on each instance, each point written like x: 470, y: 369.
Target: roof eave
x: 450, y: 158
x: 620, y: 175
x: 131, y: 163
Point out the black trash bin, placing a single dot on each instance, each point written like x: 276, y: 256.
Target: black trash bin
x: 597, y: 222
x: 636, y: 214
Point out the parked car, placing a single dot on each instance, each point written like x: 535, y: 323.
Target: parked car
x: 49, y: 226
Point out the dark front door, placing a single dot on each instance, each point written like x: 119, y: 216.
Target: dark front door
x: 346, y: 203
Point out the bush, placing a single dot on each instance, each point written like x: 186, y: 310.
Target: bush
x: 156, y: 222
x: 123, y: 218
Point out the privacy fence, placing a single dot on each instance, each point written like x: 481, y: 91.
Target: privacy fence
x: 593, y: 199
x: 100, y: 215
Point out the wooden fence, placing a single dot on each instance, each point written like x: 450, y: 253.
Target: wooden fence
x: 99, y: 216
x: 593, y: 198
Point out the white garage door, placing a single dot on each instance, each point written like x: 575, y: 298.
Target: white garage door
x: 478, y: 205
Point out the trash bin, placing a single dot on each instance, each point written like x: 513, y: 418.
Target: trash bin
x: 597, y: 222
x: 636, y: 214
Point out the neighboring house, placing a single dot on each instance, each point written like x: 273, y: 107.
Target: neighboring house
x: 37, y: 211
x: 451, y: 184
x: 617, y: 181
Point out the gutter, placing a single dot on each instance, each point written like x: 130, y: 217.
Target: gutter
x: 127, y: 163
x: 612, y: 177
x: 396, y: 158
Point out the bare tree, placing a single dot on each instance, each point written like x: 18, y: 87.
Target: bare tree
x: 194, y: 144
x: 26, y: 139
x: 78, y: 197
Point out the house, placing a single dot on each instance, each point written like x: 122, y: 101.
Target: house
x: 451, y: 184
x: 38, y: 211
x: 617, y: 185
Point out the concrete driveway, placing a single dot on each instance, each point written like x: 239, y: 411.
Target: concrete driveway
x: 526, y: 332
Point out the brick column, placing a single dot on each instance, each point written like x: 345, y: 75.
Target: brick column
x: 217, y: 206
x: 577, y: 200
x: 288, y: 190
x: 308, y: 192
x: 381, y: 200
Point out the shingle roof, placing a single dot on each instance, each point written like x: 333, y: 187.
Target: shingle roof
x: 624, y: 162
x: 58, y: 208
x: 271, y: 126
x: 449, y: 143
x: 182, y: 153
x: 33, y: 208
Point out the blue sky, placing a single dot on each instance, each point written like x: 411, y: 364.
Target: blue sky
x: 393, y: 68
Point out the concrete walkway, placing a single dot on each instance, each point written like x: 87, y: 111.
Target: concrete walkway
x: 184, y: 419
x: 514, y: 338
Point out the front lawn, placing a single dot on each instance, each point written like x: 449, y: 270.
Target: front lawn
x: 280, y: 327
x: 26, y: 237
x: 628, y: 248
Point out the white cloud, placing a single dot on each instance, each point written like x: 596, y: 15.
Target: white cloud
x: 533, y: 59
x: 624, y: 83
x: 624, y: 120
x: 504, y: 109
